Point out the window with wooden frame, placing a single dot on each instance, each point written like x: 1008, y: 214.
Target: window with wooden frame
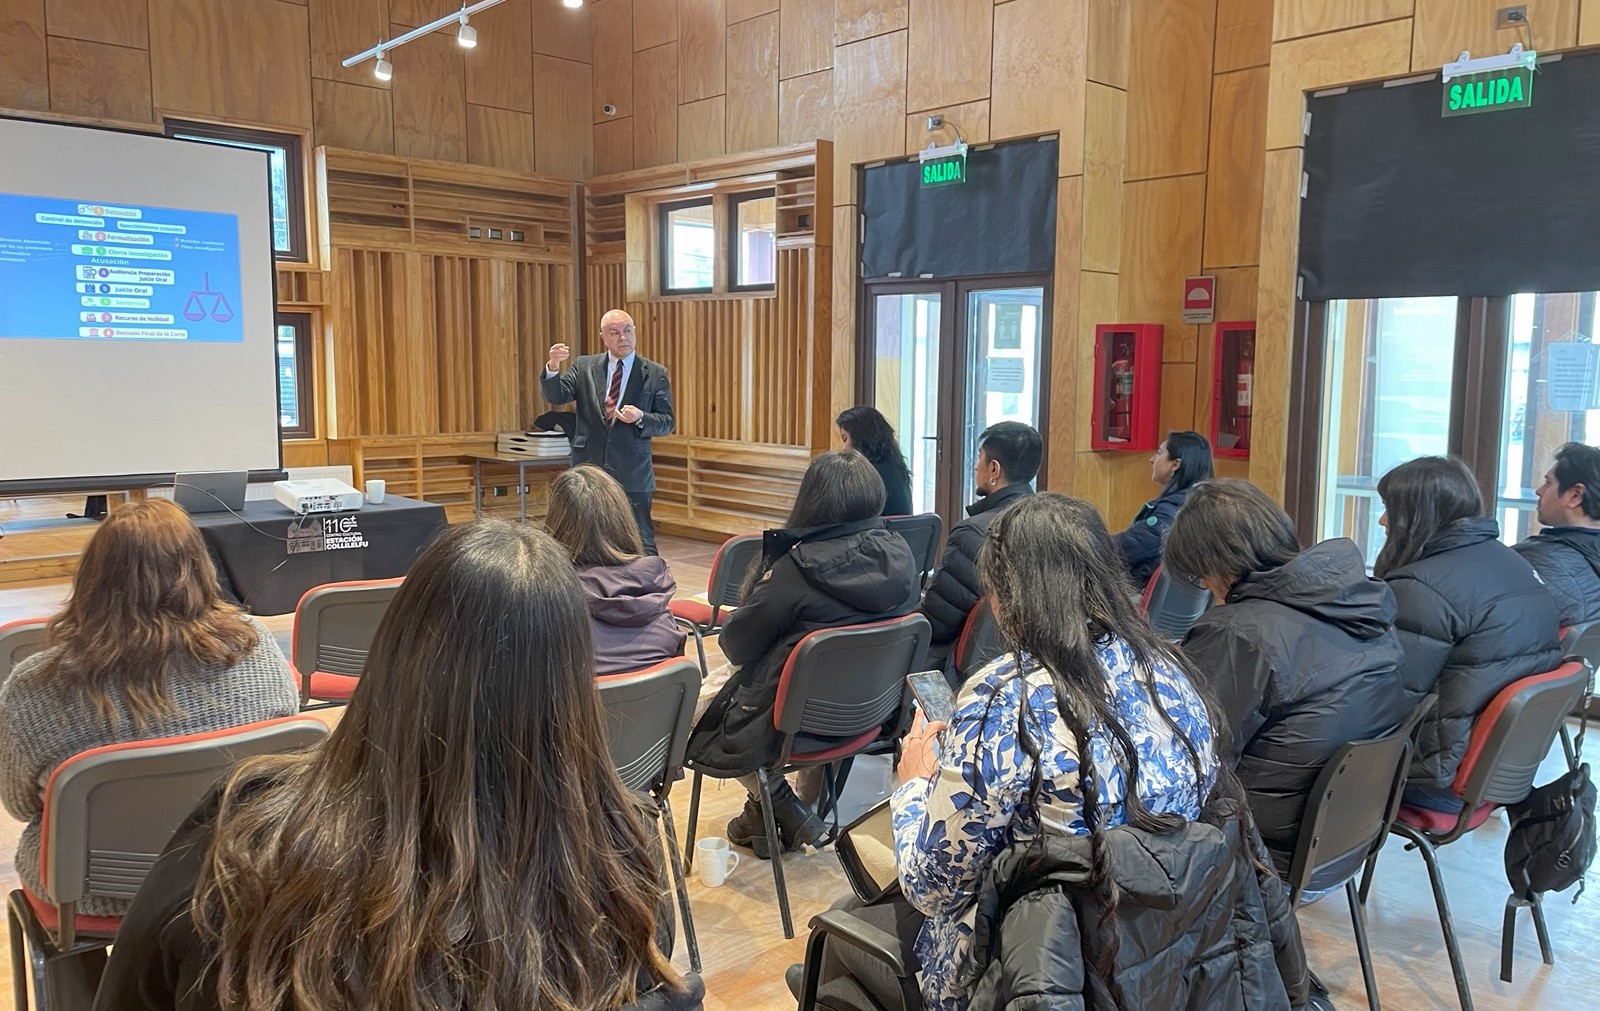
x: 688, y: 247
x: 296, y: 415
x: 753, y: 241
x: 285, y: 174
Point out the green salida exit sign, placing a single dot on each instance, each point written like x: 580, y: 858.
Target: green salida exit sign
x: 1491, y: 92
x: 945, y: 171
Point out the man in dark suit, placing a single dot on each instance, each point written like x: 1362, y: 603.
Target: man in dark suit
x: 623, y: 401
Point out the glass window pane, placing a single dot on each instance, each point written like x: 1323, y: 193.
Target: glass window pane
x: 1389, y: 365
x: 1004, y: 337
x: 906, y: 384
x: 758, y: 241
x: 691, y: 248
x: 278, y: 171
x: 288, y: 378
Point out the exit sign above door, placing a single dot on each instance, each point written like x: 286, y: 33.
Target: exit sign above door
x: 1491, y: 92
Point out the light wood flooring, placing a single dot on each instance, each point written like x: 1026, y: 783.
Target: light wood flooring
x: 745, y: 954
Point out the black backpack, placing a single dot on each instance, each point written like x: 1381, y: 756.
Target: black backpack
x: 1552, y: 841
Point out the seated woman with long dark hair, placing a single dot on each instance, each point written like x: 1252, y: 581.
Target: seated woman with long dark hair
x: 461, y: 840
x: 834, y: 564
x: 144, y: 648
x: 628, y: 591
x: 1182, y: 461
x: 869, y: 433
x: 1471, y: 613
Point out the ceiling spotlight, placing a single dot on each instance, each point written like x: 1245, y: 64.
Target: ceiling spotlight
x: 383, y: 69
x: 466, y: 35
x: 574, y: 4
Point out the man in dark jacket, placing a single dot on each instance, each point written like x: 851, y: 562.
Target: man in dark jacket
x: 1566, y: 553
x: 1009, y: 454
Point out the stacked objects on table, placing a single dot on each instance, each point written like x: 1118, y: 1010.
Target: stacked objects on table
x: 539, y: 445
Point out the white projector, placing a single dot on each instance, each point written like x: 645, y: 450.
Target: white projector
x: 319, y: 495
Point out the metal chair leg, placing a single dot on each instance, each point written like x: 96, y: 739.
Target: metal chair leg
x: 1539, y: 928
x: 1567, y: 749
x: 1358, y: 923
x: 682, y: 886
x: 1366, y: 877
x: 1508, y: 938
x: 775, y: 847
x: 19, y: 958
x: 1446, y: 923
x: 694, y: 817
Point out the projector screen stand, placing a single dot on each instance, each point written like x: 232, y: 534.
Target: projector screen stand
x: 94, y: 508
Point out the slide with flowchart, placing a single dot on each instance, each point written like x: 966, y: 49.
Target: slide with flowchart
x: 90, y: 270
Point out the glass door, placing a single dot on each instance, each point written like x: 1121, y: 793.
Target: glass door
x: 1003, y: 343
x: 907, y: 373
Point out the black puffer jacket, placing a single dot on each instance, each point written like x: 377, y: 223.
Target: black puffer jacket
x: 955, y: 587
x: 1199, y: 926
x: 1302, y: 659
x: 1472, y: 618
x: 1568, y: 560
x: 1140, y: 544
x: 825, y: 577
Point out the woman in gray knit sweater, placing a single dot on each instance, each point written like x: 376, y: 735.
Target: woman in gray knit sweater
x: 144, y: 648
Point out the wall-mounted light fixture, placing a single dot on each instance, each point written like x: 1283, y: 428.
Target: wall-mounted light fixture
x: 466, y: 35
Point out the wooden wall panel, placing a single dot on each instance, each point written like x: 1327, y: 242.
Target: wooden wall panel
x: 430, y: 106
x: 1107, y: 57
x: 971, y: 117
x: 744, y: 10
x: 753, y: 84
x: 1443, y: 29
x: 805, y: 108
x: 1280, y: 230
x: 1104, y: 146
x: 702, y: 129
x: 1295, y: 18
x: 500, y: 138
x: 702, y: 31
x: 1169, y: 90
x: 1244, y: 34
x: 413, y: 12
x: 340, y: 29
x: 100, y: 81
x: 869, y: 106
x: 655, y: 105
x: 1233, y: 175
x: 655, y: 23
x: 244, y: 60
x: 613, y: 146
x: 1039, y: 75
x: 352, y: 116
x: 499, y: 72
x: 613, y: 57
x: 1064, y: 404
x: 854, y: 20
x: 24, y: 65
x: 562, y: 32
x: 806, y: 34
x: 1369, y: 53
x: 1589, y: 25
x: 846, y: 285
x: 1153, y: 271
x: 561, y: 99
x: 948, y: 52
x: 115, y: 22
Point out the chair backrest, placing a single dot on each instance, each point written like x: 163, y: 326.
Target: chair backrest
x: 649, y: 714
x: 841, y: 682
x: 1172, y: 606
x: 980, y: 641
x: 1352, y: 803
x: 18, y: 641
x: 334, y: 624
x: 109, y: 812
x: 924, y: 532
x: 1513, y: 734
x: 728, y: 569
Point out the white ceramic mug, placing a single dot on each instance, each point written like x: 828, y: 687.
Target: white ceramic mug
x: 376, y: 490
x: 714, y: 860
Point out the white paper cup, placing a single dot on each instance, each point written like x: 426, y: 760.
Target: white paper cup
x: 376, y: 489
x: 714, y: 861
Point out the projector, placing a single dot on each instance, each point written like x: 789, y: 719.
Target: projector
x: 321, y: 495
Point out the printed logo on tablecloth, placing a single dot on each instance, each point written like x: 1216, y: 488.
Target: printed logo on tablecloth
x: 324, y: 533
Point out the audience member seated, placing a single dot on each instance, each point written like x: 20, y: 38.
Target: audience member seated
x: 144, y: 648
x: 1178, y: 464
x: 834, y: 564
x: 1472, y: 614
x: 461, y: 840
x: 869, y: 433
x: 1566, y: 553
x: 1008, y: 460
x: 627, y: 590
x: 1100, y: 727
x: 1301, y: 656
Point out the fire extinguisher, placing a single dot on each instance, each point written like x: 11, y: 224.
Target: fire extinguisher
x: 1244, y: 391
x: 1121, y: 396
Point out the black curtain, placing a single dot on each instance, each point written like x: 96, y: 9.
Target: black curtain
x: 1401, y: 201
x: 1002, y: 220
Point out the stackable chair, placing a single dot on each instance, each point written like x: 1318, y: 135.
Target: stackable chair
x: 1583, y: 641
x: 841, y: 693
x: 18, y: 641
x: 649, y: 714
x: 333, y: 628
x: 1172, y: 606
x: 980, y: 642
x: 924, y: 532
x: 728, y: 569
x: 1509, y: 741
x: 108, y: 814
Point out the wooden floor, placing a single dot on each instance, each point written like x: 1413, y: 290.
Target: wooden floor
x: 745, y: 954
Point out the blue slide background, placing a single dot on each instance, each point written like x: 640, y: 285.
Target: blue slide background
x: 43, y: 285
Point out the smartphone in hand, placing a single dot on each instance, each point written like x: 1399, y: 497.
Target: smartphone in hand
x: 933, y: 695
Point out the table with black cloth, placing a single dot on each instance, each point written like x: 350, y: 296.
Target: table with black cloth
x: 268, y: 557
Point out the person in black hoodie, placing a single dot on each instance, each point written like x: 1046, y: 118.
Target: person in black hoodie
x: 834, y: 564
x: 1471, y: 613
x: 869, y: 433
x: 1178, y: 464
x: 1566, y: 553
x: 1302, y: 656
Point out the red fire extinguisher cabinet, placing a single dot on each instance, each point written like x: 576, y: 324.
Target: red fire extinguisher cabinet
x: 1233, y: 376
x: 1127, y: 386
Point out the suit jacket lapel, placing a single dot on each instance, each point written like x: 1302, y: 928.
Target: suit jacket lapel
x: 635, y: 383
x: 600, y: 363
